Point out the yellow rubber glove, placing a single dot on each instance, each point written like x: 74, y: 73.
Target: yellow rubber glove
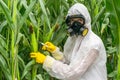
x: 49, y: 47
x: 39, y: 57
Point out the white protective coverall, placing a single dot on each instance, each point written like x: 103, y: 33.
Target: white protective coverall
x: 84, y: 58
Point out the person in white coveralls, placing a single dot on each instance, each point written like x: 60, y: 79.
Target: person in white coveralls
x: 84, y: 55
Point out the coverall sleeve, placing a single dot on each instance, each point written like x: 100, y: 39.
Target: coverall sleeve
x: 70, y: 72
x: 58, y: 55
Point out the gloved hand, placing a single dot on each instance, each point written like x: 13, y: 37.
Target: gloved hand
x: 49, y: 47
x: 39, y: 57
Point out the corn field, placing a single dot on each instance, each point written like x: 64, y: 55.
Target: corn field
x: 26, y: 23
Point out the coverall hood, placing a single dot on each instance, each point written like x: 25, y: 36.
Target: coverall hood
x: 81, y: 9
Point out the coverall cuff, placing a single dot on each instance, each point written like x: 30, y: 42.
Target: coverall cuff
x: 48, y: 62
x: 57, y: 54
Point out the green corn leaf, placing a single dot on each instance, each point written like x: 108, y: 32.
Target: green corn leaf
x: 21, y: 62
x: 44, y: 12
x: 5, y: 69
x: 112, y: 74
x: 20, y: 36
x: 2, y: 25
x: 27, y: 68
x: 3, y: 52
x: 105, y: 23
x: 39, y: 77
x: 113, y: 7
x: 32, y: 18
x: 28, y: 10
x: 98, y: 16
x: 3, y: 47
x: 2, y: 42
x: 7, y: 13
x: 31, y: 15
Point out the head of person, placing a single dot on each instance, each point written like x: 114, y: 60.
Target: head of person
x: 78, y: 20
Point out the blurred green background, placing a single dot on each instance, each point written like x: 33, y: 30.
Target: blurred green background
x: 25, y: 23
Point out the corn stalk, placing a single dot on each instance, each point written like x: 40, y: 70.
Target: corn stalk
x: 34, y: 46
x: 15, y: 37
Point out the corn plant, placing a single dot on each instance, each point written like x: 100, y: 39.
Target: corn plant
x: 112, y: 8
x: 17, y: 41
x: 13, y: 38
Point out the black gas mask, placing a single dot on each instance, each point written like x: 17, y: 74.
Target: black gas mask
x: 76, y: 28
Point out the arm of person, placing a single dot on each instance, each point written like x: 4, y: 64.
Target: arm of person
x: 58, y: 55
x: 64, y: 71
